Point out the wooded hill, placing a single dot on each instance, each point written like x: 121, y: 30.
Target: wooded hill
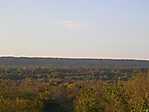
x: 72, y: 63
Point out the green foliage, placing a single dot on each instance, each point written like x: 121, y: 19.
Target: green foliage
x: 116, y: 98
x: 75, y: 96
x: 88, y: 101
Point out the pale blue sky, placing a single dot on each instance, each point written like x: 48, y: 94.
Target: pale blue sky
x: 75, y: 28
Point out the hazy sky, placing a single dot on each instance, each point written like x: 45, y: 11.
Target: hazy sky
x: 75, y: 28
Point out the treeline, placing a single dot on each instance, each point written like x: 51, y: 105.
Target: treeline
x: 46, y: 74
x: 72, y: 63
x: 30, y: 95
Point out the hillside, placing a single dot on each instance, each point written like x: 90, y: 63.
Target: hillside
x: 72, y: 63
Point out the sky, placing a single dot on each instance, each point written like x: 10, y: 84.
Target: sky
x: 75, y: 28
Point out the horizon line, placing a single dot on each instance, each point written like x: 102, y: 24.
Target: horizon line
x: 62, y: 57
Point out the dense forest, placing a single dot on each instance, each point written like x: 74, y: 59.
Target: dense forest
x: 12, y: 68
x: 30, y: 95
x: 72, y: 63
x: 73, y: 85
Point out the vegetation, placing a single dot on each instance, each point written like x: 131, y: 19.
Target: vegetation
x: 87, y: 88
x: 30, y: 95
x: 72, y: 63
